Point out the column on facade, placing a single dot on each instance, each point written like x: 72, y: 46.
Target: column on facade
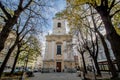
x: 46, y: 51
x: 50, y: 50
x: 72, y: 53
x: 71, y: 56
x: 53, y: 49
x: 68, y: 50
x: 65, y: 50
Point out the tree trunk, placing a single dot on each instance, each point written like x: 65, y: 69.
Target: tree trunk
x: 84, y: 65
x: 95, y: 62
x: 111, y: 34
x: 97, y: 66
x: 4, y: 34
x: 106, y: 50
x: 6, y: 59
x: 7, y: 28
x: 15, y: 61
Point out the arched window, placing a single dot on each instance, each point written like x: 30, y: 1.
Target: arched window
x: 59, y: 25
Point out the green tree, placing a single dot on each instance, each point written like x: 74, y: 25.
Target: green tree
x: 91, y: 20
x: 21, y: 33
x: 31, y: 50
x: 111, y: 66
x: 80, y: 48
x: 10, y: 11
x: 10, y: 18
x: 106, y: 9
x: 78, y: 18
x: 20, y: 12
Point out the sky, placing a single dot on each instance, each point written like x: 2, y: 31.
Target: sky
x: 49, y: 12
x: 58, y: 6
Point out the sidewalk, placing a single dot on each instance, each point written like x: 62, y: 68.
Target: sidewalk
x: 55, y: 76
x: 105, y: 75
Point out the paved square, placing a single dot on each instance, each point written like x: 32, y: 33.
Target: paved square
x: 55, y: 76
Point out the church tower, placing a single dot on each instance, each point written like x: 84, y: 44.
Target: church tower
x: 59, y: 26
x: 58, y: 53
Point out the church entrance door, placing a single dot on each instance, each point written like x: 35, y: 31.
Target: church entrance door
x: 58, y: 66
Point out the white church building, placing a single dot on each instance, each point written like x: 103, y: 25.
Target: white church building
x: 59, y: 55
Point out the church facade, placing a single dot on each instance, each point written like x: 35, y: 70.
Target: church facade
x: 58, y: 52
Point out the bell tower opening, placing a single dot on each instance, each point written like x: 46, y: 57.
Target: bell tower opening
x: 59, y: 25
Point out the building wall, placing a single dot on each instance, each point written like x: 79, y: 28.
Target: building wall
x: 51, y: 50
x: 58, y: 37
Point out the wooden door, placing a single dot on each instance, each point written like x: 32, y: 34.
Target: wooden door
x: 58, y: 66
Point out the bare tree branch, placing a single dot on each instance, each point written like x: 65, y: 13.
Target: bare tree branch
x: 114, y: 13
x: 27, y: 4
x: 25, y: 25
x: 111, y: 5
x: 4, y: 10
x: 3, y: 18
x: 20, y: 4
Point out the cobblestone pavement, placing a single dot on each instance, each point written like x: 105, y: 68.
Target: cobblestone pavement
x: 55, y: 76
